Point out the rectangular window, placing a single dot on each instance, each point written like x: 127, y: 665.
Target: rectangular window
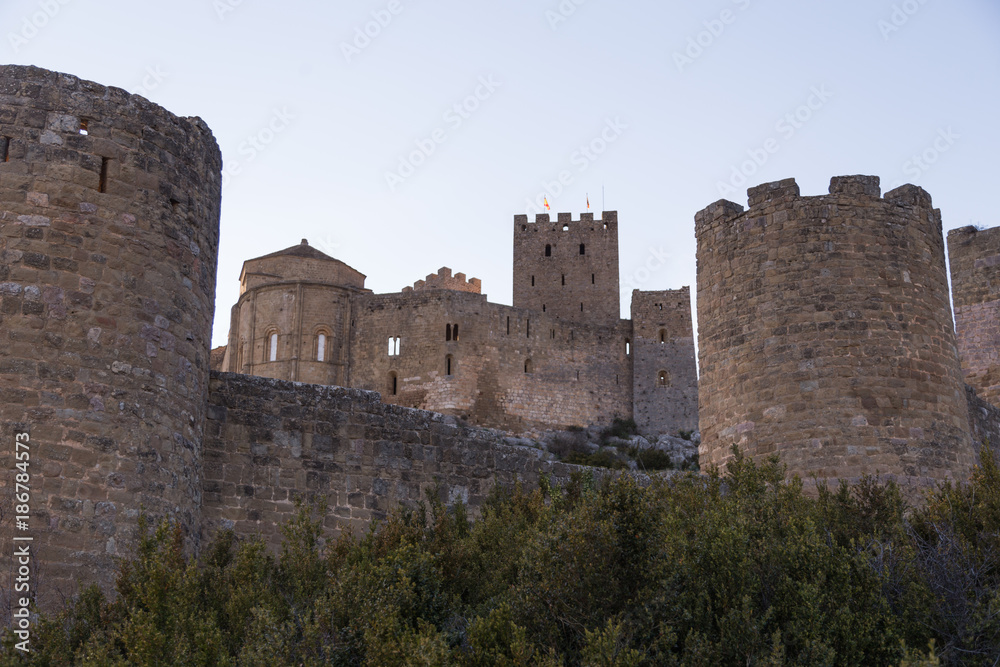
x: 273, y: 348
x: 5, y: 149
x: 528, y: 329
x: 102, y: 185
x: 321, y: 348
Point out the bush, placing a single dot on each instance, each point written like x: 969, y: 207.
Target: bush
x: 620, y: 428
x: 732, y: 569
x: 652, y: 459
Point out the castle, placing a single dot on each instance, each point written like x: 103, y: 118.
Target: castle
x: 560, y: 357
x: 825, y: 336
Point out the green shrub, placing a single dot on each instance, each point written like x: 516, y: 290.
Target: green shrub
x: 734, y: 569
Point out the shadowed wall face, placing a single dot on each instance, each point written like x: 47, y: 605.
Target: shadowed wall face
x: 109, y: 223
x: 825, y: 334
x: 974, y: 256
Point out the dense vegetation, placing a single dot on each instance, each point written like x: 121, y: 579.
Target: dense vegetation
x: 740, y: 569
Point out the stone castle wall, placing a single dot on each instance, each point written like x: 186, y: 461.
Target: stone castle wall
x: 665, y: 377
x: 509, y: 367
x: 974, y: 256
x: 568, y: 268
x: 271, y: 442
x: 825, y: 334
x: 109, y: 223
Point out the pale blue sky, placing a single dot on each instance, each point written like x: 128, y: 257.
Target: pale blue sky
x: 887, y: 80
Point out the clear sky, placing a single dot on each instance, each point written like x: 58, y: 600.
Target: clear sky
x: 354, y: 141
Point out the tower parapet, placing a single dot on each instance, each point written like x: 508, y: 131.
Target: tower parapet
x: 825, y: 334
x: 568, y: 268
x: 444, y: 280
x: 109, y: 213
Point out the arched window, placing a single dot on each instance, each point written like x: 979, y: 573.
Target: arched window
x: 548, y: 250
x: 662, y: 379
x: 394, y: 346
x: 449, y: 364
x: 393, y: 384
x: 628, y: 347
x: 271, y: 354
x: 663, y: 336
x: 527, y: 366
x: 583, y: 249
x: 322, y: 337
x: 447, y: 332
x: 454, y: 331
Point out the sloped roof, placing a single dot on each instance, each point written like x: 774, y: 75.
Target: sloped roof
x: 300, y: 250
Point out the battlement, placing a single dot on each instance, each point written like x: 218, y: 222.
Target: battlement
x: 444, y: 280
x: 608, y: 220
x: 776, y: 193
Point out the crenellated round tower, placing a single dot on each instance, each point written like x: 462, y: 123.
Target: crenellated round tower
x: 825, y: 334
x: 109, y: 229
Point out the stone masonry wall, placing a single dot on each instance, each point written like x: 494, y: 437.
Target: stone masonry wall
x: 510, y: 367
x: 578, y: 280
x: 109, y: 224
x: 665, y: 377
x: 825, y: 334
x: 974, y: 256
x: 270, y: 442
x: 984, y: 425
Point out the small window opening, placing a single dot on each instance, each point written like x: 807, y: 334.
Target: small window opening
x: 605, y: 225
x: 662, y: 379
x: 527, y: 366
x: 175, y: 205
x: 543, y: 307
x: 593, y: 279
x: 508, y: 325
x: 447, y: 364
x: 393, y: 384
x: 663, y: 336
x: 321, y: 347
x: 5, y: 148
x: 394, y: 346
x: 628, y: 347
x: 581, y: 307
x: 528, y: 329
x: 565, y: 228
x: 102, y: 185
x: 553, y: 336
x: 548, y: 250
x: 571, y: 334
x: 564, y: 280
x: 83, y: 127
x: 447, y: 332
x: 578, y: 376
x: 583, y: 249
x: 616, y: 379
x: 660, y: 306
x: 524, y: 228
x: 454, y: 331
x: 272, y: 347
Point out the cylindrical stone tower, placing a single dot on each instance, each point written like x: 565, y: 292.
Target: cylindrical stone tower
x: 109, y: 228
x: 825, y: 334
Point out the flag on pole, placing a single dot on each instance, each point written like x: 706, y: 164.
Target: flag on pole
x: 547, y: 207
x: 588, y: 201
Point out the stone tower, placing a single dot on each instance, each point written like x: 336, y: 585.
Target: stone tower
x: 664, y: 375
x: 293, y: 317
x: 568, y: 268
x: 825, y: 334
x: 109, y: 227
x: 975, y: 284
